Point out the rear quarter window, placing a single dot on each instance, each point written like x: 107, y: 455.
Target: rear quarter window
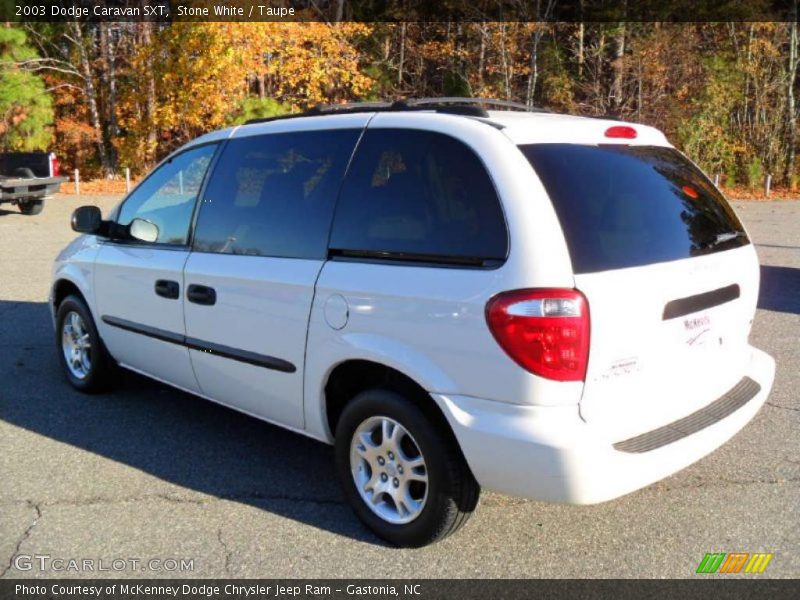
x: 629, y: 206
x: 419, y: 196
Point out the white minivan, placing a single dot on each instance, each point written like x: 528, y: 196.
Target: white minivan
x: 544, y: 305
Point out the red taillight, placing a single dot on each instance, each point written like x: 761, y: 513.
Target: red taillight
x: 55, y: 168
x: 621, y: 131
x: 546, y: 331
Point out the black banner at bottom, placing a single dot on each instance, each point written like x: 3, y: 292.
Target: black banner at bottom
x: 717, y: 588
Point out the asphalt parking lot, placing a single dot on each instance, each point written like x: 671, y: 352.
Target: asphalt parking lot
x: 152, y: 473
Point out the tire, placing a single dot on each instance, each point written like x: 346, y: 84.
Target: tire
x: 24, y: 172
x: 439, y: 507
x: 30, y: 207
x: 96, y: 373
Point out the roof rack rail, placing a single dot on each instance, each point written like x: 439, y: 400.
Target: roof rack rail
x: 470, y: 107
x: 608, y: 117
x: 471, y: 101
x: 323, y: 109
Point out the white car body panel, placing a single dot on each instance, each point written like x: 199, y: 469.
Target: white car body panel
x: 75, y: 265
x: 124, y: 281
x: 551, y: 454
x: 543, y: 128
x: 352, y: 121
x: 427, y: 323
x: 262, y: 307
x: 640, y: 377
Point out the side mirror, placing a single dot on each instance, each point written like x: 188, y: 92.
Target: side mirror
x: 142, y: 230
x: 87, y: 219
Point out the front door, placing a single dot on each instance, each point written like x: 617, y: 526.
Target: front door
x: 139, y: 286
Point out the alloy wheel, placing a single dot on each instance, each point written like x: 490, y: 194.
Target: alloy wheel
x: 76, y: 345
x: 389, y: 470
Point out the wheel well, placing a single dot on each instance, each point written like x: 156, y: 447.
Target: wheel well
x: 62, y: 289
x: 353, y: 377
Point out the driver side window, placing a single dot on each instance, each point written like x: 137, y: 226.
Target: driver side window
x: 167, y: 197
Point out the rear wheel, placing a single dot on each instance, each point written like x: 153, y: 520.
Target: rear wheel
x: 85, y: 360
x: 30, y: 207
x: 406, y: 479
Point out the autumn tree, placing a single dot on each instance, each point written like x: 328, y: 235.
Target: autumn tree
x: 195, y: 75
x: 723, y: 92
x: 302, y: 64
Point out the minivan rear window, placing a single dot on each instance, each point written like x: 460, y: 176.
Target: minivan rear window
x: 629, y: 206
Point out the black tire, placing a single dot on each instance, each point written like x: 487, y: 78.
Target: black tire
x: 24, y: 172
x: 103, y: 370
x: 452, y: 493
x: 30, y: 207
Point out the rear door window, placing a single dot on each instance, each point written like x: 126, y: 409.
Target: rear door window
x: 628, y: 206
x: 418, y: 196
x: 273, y: 195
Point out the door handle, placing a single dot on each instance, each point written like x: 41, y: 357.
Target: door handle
x: 201, y: 294
x: 168, y: 289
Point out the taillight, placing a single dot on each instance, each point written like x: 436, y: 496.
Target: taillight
x: 546, y: 331
x: 55, y: 168
x: 621, y: 131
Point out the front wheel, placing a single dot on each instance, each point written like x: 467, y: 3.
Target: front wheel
x: 405, y: 478
x: 30, y: 207
x: 85, y: 360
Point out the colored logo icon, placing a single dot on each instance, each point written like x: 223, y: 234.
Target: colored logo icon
x: 734, y: 562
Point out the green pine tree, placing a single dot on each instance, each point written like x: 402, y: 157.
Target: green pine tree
x: 26, y: 107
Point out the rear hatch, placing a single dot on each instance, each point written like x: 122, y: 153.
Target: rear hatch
x: 669, y: 274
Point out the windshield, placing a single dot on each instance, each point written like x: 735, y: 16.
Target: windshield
x: 628, y: 206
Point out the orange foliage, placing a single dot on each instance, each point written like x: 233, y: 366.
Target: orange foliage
x: 303, y: 63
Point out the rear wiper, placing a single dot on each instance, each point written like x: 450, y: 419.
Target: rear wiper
x: 720, y: 238
x: 727, y: 237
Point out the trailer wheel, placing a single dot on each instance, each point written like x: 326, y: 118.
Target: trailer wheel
x: 30, y: 207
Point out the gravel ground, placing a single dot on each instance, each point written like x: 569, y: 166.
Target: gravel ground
x: 151, y: 473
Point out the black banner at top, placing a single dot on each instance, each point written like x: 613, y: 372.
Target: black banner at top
x: 398, y: 10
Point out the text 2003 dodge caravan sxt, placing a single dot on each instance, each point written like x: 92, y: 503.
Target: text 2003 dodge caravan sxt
x: 544, y: 305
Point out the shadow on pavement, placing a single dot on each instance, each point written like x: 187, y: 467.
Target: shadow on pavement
x: 782, y: 247
x: 177, y: 437
x: 780, y: 289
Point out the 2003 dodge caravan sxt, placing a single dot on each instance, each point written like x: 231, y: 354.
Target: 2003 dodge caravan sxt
x: 548, y: 306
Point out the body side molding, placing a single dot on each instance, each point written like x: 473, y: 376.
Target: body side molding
x: 245, y: 356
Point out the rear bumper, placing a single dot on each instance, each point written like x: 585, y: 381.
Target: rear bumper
x: 29, y: 189
x: 551, y: 454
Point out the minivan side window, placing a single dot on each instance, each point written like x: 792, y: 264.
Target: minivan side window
x: 167, y: 197
x: 419, y: 196
x: 273, y: 195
